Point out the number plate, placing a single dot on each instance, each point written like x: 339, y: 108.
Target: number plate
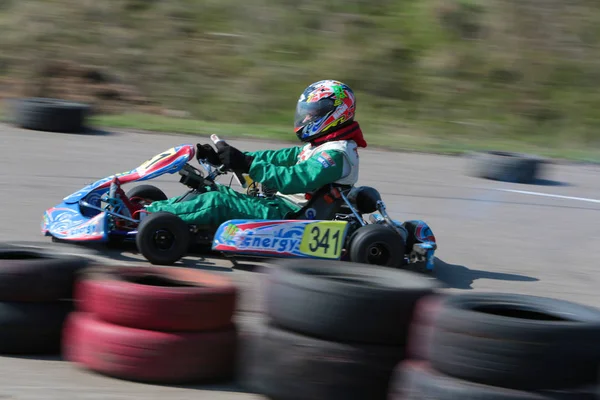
x: 147, y: 164
x: 324, y: 239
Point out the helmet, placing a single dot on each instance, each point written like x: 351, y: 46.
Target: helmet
x: 322, y: 108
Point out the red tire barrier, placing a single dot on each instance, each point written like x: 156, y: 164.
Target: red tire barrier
x: 157, y: 298
x: 149, y: 356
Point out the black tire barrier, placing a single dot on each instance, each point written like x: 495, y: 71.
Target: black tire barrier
x: 31, y: 275
x: 517, y: 341
x: 500, y: 346
x: 321, y: 341
x: 418, y: 380
x: 505, y: 166
x: 346, y: 302
x: 293, y: 366
x: 335, y: 330
x: 50, y: 115
x: 32, y: 328
x: 36, y: 291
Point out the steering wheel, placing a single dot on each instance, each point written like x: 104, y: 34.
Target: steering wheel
x: 238, y: 175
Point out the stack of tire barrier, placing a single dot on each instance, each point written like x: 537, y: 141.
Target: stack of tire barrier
x: 335, y: 330
x: 505, y: 166
x: 500, y: 347
x: 159, y: 325
x: 52, y: 115
x: 36, y: 291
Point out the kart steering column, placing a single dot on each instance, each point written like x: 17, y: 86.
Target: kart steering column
x: 238, y: 175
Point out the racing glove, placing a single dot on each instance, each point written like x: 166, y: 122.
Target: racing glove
x: 233, y: 159
x: 206, y: 152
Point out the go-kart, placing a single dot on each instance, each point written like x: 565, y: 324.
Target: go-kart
x: 330, y: 226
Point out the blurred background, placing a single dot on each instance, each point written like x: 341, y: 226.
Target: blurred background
x: 441, y: 75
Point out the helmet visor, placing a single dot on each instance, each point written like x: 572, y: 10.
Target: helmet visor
x: 310, y: 112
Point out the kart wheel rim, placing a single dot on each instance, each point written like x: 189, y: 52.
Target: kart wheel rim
x: 378, y: 254
x: 163, y: 239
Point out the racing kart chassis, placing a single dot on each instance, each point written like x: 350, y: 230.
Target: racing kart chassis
x: 330, y: 226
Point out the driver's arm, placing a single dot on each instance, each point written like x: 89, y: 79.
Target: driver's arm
x: 282, y: 157
x: 319, y: 170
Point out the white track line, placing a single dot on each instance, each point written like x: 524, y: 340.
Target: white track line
x: 550, y: 195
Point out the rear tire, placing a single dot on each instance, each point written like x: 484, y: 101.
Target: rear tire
x: 377, y: 245
x: 163, y: 238
x: 148, y: 193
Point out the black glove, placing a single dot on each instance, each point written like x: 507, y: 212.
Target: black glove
x: 206, y: 152
x: 267, y: 191
x: 233, y: 159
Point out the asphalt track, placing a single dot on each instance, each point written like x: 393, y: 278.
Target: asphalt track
x: 537, y: 239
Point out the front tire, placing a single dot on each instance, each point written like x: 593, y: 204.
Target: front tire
x: 377, y: 245
x: 163, y: 238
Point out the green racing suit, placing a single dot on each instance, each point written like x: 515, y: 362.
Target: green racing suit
x: 283, y: 170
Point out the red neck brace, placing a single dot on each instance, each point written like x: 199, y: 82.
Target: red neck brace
x: 350, y: 132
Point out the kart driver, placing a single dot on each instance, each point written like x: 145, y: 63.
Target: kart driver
x: 324, y: 122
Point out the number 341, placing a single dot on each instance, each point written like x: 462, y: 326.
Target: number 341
x: 323, y: 240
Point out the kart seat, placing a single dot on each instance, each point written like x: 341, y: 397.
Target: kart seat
x: 324, y: 204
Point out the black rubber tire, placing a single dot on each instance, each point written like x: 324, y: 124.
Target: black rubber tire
x: 29, y: 275
x: 32, y: 328
x: 170, y: 223
x: 504, y: 166
x: 471, y: 340
x: 296, y: 367
x: 344, y: 301
x: 147, y: 192
x: 417, y: 380
x: 51, y: 115
x: 365, y: 237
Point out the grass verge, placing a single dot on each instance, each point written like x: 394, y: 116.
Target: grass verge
x: 394, y: 139
x: 430, y: 75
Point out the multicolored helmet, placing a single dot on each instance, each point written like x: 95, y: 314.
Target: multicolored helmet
x: 323, y: 108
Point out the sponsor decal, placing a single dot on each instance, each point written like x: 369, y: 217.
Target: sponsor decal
x: 338, y: 113
x: 278, y: 238
x: 276, y: 244
x: 311, y: 213
x: 339, y: 94
x: 82, y: 230
x: 335, y: 123
x: 323, y: 162
x: 229, y: 232
x: 323, y: 239
x: 328, y: 158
